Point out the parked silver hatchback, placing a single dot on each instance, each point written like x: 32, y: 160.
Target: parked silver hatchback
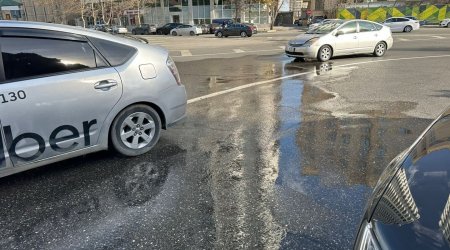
x: 337, y: 39
x: 67, y: 91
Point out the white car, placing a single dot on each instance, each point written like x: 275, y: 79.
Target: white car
x: 335, y: 39
x: 402, y: 24
x: 316, y: 25
x: 119, y: 30
x: 445, y: 23
x: 186, y: 30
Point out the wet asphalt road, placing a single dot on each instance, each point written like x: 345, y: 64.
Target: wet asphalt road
x: 286, y: 164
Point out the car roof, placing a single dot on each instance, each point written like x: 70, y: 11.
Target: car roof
x: 71, y: 29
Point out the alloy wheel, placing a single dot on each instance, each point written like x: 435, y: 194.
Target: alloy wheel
x: 137, y: 130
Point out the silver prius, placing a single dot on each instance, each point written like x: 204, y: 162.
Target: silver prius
x: 67, y: 91
x: 337, y: 38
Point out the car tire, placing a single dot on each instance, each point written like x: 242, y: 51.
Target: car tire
x: 380, y: 49
x: 325, y: 53
x: 192, y: 33
x: 219, y: 34
x: 174, y: 33
x: 408, y: 29
x: 142, y: 124
x: 132, y: 32
x: 243, y: 34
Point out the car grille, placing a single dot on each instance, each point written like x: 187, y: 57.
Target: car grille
x: 295, y: 53
x: 295, y: 45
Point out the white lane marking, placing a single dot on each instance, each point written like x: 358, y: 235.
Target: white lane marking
x: 404, y: 39
x: 439, y: 37
x: 219, y: 93
x: 282, y: 47
x: 185, y: 53
x: 243, y: 87
x: 238, y: 51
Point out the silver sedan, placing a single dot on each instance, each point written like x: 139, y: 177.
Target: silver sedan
x: 66, y: 92
x: 336, y: 39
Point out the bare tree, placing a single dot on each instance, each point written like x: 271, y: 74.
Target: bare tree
x: 274, y: 7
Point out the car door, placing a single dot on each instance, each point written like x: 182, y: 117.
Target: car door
x: 368, y: 37
x: 390, y: 22
x: 57, y: 91
x: 347, y: 39
x: 186, y: 30
x: 397, y: 24
x: 228, y: 30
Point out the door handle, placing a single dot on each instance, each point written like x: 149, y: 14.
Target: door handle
x: 105, y: 84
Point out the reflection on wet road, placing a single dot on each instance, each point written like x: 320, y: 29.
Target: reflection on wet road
x: 267, y: 167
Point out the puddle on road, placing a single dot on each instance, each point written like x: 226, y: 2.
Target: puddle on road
x: 329, y: 165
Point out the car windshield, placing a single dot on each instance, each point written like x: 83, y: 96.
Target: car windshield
x: 325, y: 28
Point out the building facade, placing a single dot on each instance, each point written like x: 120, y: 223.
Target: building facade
x: 204, y: 11
x: 11, y: 10
x: 37, y: 13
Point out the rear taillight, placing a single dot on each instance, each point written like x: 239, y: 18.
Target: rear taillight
x: 173, y: 68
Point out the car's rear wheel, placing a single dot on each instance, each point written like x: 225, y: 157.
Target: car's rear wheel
x: 407, y: 29
x: 192, y: 33
x: 174, y: 33
x: 325, y: 53
x: 380, y: 49
x: 135, y: 130
x: 243, y: 34
x: 219, y: 34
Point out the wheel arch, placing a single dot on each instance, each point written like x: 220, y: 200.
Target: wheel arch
x: 327, y: 44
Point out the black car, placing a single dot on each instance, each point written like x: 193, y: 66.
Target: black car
x: 410, y: 205
x: 165, y: 30
x: 144, y: 29
x: 235, y: 29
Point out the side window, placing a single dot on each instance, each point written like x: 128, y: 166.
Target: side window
x: 403, y: 19
x: 378, y: 26
x: 366, y: 27
x: 389, y: 20
x: 115, y: 53
x: 27, y: 57
x: 349, y: 28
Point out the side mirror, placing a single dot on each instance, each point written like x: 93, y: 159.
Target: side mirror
x: 340, y: 33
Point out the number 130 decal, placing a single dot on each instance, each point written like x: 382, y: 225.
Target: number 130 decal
x: 13, y: 96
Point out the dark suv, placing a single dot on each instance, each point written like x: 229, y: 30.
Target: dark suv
x: 165, y: 30
x: 235, y: 29
x: 144, y: 29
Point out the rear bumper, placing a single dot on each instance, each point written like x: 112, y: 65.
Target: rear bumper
x: 175, y: 101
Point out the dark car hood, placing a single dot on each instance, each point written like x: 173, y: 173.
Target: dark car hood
x: 414, y: 210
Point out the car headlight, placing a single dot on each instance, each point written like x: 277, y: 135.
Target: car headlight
x: 366, y: 239
x: 311, y: 42
x: 173, y: 68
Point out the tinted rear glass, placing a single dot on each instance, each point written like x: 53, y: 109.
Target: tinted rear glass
x: 115, y: 53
